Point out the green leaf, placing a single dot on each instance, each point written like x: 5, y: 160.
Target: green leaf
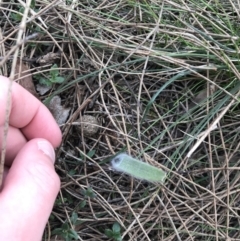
x: 73, y: 234
x: 91, y: 153
x: 118, y: 238
x: 72, y: 172
x: 33, y: 4
x: 89, y: 193
x: 67, y: 238
x: 60, y: 202
x: 58, y: 79
x: 18, y: 16
x: 54, y: 72
x: 57, y: 231
x: 65, y: 226
x: 45, y: 81
x: 108, y: 233
x: 116, y: 228
x: 82, y: 204
x: 74, y: 218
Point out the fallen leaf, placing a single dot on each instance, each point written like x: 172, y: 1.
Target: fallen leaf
x: 48, y: 58
x: 24, y: 77
x: 43, y: 89
x: 59, y: 112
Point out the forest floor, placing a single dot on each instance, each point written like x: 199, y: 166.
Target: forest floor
x: 160, y: 81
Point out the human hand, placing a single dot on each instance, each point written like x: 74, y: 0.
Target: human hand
x: 30, y: 184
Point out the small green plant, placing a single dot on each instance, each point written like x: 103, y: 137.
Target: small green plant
x: 72, y: 172
x: 59, y: 201
x: 90, y: 154
x: 52, y: 78
x: 66, y: 231
x: 67, y: 200
x: 17, y: 15
x: 89, y: 193
x: 114, y: 233
x: 82, y: 204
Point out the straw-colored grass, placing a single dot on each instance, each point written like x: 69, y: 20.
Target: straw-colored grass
x: 162, y: 77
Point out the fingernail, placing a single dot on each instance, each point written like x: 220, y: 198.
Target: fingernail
x: 47, y: 149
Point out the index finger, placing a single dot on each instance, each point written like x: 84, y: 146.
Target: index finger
x: 28, y: 113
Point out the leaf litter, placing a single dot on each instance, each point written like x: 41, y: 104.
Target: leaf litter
x: 146, y: 45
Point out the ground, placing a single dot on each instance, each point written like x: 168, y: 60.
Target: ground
x: 161, y: 80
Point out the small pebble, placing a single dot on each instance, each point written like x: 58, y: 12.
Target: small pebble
x: 90, y: 125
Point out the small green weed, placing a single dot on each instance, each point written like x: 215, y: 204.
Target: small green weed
x: 18, y: 13
x: 90, y: 154
x: 65, y: 231
x: 89, y: 193
x: 114, y: 233
x: 52, y: 78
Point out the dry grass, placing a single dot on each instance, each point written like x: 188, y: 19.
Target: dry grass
x: 162, y: 77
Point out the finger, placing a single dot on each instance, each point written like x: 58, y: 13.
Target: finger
x: 28, y: 194
x: 28, y: 113
x: 15, y: 141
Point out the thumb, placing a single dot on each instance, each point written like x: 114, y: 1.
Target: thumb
x: 29, y: 192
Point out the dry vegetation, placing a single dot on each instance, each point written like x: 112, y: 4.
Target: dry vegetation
x: 162, y: 79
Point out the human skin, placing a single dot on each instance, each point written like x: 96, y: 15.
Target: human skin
x: 30, y: 183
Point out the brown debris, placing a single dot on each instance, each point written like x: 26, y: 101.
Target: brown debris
x: 59, y: 112
x: 49, y: 58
